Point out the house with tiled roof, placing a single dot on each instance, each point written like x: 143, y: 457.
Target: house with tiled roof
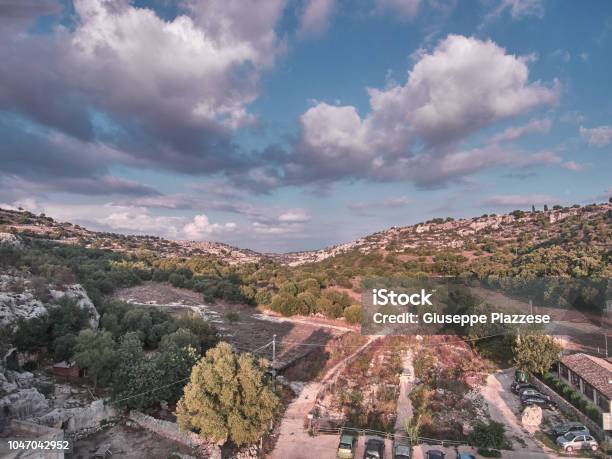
x: 591, y: 376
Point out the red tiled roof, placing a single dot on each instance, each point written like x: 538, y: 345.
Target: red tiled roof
x: 597, y: 372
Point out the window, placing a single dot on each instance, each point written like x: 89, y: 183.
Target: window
x: 603, y: 403
x: 575, y: 380
x: 589, y: 391
x: 563, y: 371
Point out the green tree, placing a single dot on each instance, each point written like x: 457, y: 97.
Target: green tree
x: 263, y: 296
x: 535, y: 353
x: 95, y: 351
x: 135, y: 375
x: 227, y: 398
x: 63, y: 347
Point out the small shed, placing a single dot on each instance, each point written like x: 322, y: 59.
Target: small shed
x: 68, y: 370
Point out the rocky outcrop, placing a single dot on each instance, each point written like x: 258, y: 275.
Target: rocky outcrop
x: 23, y: 404
x: 87, y: 419
x: 9, y: 239
x: 18, y: 300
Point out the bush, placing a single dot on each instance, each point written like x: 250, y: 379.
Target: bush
x: 353, y: 314
x: 488, y: 436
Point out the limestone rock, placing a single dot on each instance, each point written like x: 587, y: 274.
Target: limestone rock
x: 532, y: 416
x: 23, y: 404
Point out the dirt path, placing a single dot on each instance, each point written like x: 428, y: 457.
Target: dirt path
x: 404, y: 405
x: 294, y: 441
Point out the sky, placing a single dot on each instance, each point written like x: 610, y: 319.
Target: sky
x: 285, y: 125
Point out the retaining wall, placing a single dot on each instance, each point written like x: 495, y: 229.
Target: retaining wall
x: 171, y: 431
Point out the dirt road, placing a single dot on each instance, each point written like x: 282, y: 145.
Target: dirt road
x: 404, y: 405
x: 293, y: 440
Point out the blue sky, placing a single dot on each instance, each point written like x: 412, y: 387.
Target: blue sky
x: 290, y: 125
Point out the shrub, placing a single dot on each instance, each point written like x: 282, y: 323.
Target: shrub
x: 353, y: 314
x: 488, y: 435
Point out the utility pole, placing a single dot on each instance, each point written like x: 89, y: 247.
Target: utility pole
x: 273, y: 349
x: 274, y: 356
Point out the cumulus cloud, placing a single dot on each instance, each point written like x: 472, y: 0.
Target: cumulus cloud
x: 96, y: 81
x: 200, y: 228
x: 518, y: 200
x: 534, y: 126
x: 446, y: 98
x: 406, y: 9
x: 314, y: 20
x: 598, y: 137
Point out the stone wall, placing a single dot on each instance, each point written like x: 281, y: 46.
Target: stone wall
x: 570, y: 409
x: 171, y: 431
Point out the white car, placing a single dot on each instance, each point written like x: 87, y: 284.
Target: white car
x: 572, y: 442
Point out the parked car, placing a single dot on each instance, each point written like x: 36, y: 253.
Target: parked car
x: 535, y: 400
x: 401, y: 452
x: 532, y: 392
x: 435, y: 454
x: 346, y: 448
x: 571, y: 442
x: 375, y: 449
x: 573, y: 427
x: 465, y: 456
x: 517, y: 386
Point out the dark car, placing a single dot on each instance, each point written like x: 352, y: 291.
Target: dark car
x: 401, y: 451
x: 527, y: 392
x: 539, y: 401
x: 465, y: 456
x: 434, y: 454
x: 573, y: 427
x: 375, y: 449
x: 517, y: 386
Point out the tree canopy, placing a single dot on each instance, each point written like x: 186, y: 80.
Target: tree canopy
x: 228, y: 397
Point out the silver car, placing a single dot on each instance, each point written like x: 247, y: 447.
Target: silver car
x: 572, y: 441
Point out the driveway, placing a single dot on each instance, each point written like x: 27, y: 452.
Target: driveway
x: 504, y: 407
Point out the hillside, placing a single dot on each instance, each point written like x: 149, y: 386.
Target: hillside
x: 565, y: 226
x: 42, y: 227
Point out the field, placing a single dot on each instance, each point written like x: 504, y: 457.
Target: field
x: 245, y: 327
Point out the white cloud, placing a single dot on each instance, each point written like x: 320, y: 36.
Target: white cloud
x: 406, y: 9
x: 294, y: 216
x: 200, y: 228
x: 518, y: 200
x: 314, y: 20
x: 446, y: 98
x: 196, y: 57
x: 598, y: 137
x: 519, y: 9
x: 572, y: 166
x: 534, y: 126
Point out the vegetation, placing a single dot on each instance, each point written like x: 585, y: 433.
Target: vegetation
x: 574, y: 397
x: 489, y: 436
x: 536, y: 354
x: 228, y: 397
